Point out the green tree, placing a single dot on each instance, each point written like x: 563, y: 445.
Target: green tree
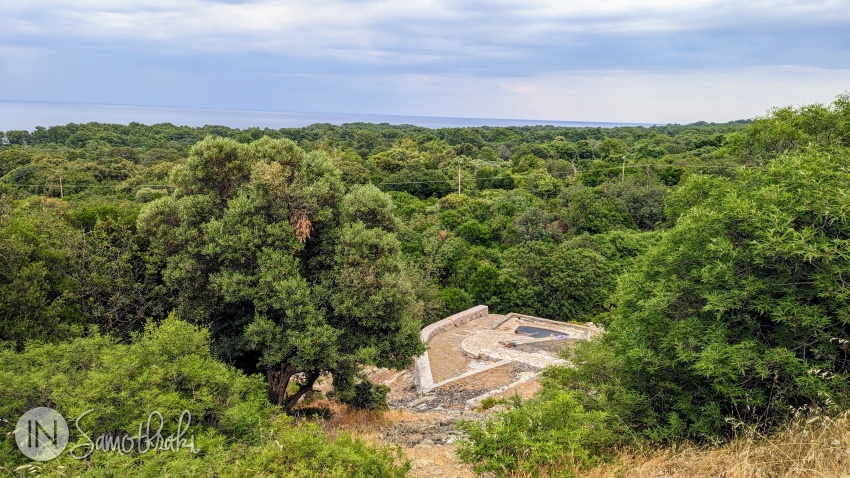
x: 546, y: 186
x: 474, y: 232
x: 27, y: 310
x: 19, y: 137
x: 403, y: 154
x: 485, y: 285
x: 419, y: 180
x: 370, y: 298
x: 589, y: 211
x: 644, y: 200
x: 789, y: 128
x: 261, y: 243
x: 489, y: 177
x: 105, y: 275
x: 527, y: 163
x: 613, y: 149
x: 370, y: 206
x: 565, y: 151
x: 740, y: 311
x: 557, y: 282
x: 586, y: 149
x: 454, y: 300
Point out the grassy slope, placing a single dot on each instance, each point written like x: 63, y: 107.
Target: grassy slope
x: 812, y: 445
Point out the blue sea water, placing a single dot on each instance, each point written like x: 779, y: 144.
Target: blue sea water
x: 24, y: 115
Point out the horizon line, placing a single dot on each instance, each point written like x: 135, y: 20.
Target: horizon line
x: 300, y: 119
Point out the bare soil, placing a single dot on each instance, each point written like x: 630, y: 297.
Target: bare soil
x: 444, y: 353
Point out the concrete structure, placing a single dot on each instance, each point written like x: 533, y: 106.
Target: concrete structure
x: 495, y: 343
x: 422, y: 366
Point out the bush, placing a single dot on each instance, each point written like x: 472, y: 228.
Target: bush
x: 552, y: 435
x: 738, y: 312
x: 454, y: 300
x: 474, y: 232
x: 369, y: 396
x: 168, y: 369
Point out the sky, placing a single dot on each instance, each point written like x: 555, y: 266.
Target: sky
x: 646, y: 61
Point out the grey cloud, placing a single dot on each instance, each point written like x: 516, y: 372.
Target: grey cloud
x: 299, y: 54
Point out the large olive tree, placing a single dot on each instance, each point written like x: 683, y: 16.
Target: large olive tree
x: 293, y: 275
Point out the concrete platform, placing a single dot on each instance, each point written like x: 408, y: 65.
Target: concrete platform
x: 475, y: 342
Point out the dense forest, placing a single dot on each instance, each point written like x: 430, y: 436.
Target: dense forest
x: 223, y: 271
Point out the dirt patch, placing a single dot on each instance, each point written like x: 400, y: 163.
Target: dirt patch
x: 436, y: 461
x: 454, y: 395
x: 440, y: 431
x: 430, y: 442
x: 443, y: 352
x: 525, y: 390
x: 428, y: 439
x: 402, y: 387
x: 491, y: 379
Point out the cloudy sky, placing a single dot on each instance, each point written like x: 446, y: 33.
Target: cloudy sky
x: 654, y: 61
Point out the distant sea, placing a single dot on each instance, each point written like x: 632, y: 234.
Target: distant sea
x: 25, y: 115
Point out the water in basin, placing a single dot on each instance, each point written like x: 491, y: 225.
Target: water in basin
x: 539, y: 333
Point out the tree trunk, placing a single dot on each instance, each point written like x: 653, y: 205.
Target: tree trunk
x: 302, y: 389
x: 279, y: 378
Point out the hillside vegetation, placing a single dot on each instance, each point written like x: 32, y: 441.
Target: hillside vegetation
x: 223, y: 271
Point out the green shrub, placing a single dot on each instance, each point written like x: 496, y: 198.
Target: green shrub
x: 369, y: 396
x: 738, y: 313
x: 168, y: 369
x: 491, y: 402
x: 454, y: 300
x: 474, y: 232
x: 553, y: 435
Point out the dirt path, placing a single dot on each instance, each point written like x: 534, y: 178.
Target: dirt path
x: 424, y: 426
x: 429, y: 441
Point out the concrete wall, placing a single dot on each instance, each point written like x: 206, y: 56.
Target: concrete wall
x: 422, y: 366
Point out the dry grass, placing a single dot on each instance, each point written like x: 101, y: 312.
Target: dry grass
x: 338, y: 418
x: 812, y: 445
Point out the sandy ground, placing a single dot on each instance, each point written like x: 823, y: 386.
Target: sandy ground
x: 444, y: 352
